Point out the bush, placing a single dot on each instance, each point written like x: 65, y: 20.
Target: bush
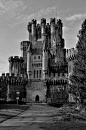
x: 55, y: 104
x: 15, y: 102
x: 3, y: 102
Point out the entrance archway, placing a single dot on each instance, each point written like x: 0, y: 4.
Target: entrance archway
x: 37, y: 98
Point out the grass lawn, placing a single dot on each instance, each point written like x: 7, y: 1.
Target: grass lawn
x: 8, y: 111
x: 13, y: 106
x: 64, y: 126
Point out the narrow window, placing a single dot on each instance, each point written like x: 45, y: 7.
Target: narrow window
x: 40, y: 74
x: 34, y: 73
x: 38, y: 57
x: 34, y: 57
x: 37, y: 73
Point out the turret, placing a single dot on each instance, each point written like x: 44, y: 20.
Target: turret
x: 34, y: 30
x: 60, y: 25
x: 38, y: 31
x: 30, y: 31
x: 45, y: 57
x: 29, y: 61
x: 52, y: 24
x: 43, y: 27
x: 59, y: 39
x: 15, y: 65
x: 3, y: 75
x: 23, y: 46
x: 10, y: 65
x: 71, y: 54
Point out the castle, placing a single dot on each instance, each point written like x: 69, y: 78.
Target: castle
x: 45, y: 60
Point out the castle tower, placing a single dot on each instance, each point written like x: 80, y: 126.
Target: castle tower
x: 10, y: 65
x: 52, y: 26
x: 45, y: 57
x: 71, y: 57
x: 59, y: 39
x: 38, y: 31
x: 29, y: 61
x: 16, y: 65
x: 29, y: 27
x: 43, y: 28
x: 34, y: 30
x: 24, y: 46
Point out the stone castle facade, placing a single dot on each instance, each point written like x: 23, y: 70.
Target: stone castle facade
x: 45, y: 60
x: 71, y: 58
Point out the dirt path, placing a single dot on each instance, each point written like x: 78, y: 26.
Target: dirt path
x: 38, y: 117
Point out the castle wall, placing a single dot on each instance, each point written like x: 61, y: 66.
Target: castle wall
x: 71, y: 57
x: 24, y: 46
x: 36, y: 88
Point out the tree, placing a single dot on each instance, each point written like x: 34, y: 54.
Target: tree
x: 78, y: 78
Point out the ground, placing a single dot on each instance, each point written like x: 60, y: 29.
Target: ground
x: 43, y: 117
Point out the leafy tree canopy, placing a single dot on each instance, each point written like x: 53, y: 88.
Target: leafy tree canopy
x: 78, y: 78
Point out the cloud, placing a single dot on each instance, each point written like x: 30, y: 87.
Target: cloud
x: 11, y: 8
x: 29, y: 17
x: 76, y: 17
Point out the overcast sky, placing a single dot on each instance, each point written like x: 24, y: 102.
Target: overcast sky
x: 15, y: 15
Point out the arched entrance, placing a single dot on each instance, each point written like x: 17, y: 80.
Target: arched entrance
x: 37, y: 98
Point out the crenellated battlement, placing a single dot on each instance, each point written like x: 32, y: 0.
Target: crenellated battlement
x: 71, y: 54
x: 16, y: 59
x: 24, y: 45
x: 16, y: 64
x: 52, y: 20
x: 43, y: 21
x: 13, y: 80
x: 37, y: 30
x: 4, y: 75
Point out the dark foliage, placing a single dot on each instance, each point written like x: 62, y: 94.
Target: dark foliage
x: 78, y: 78
x: 13, y: 102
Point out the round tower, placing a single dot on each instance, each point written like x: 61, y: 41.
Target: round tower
x: 10, y: 65
x: 24, y: 46
x: 60, y: 25
x: 38, y: 31
x: 43, y: 27
x: 29, y: 27
x: 52, y: 26
x: 21, y: 66
x: 59, y: 39
x: 34, y: 30
x: 45, y: 57
x: 16, y: 63
x: 52, y: 23
x: 29, y: 61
